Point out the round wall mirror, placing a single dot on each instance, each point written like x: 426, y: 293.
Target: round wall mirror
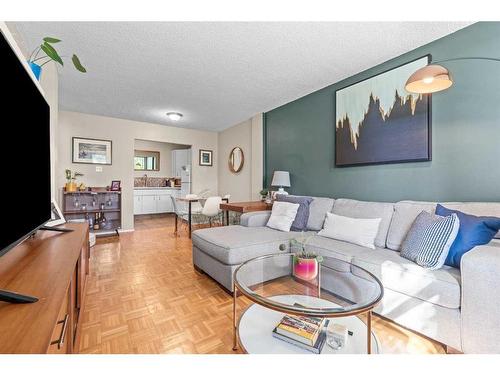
x: 236, y: 160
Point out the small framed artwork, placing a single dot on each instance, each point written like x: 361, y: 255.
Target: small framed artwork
x: 92, y: 151
x: 115, y: 185
x: 206, y: 158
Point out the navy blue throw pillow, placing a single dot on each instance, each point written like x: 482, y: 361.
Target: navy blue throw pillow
x: 473, y: 231
x: 300, y: 222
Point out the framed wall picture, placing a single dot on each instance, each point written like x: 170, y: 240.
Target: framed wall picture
x: 206, y: 158
x: 92, y: 151
x: 115, y: 185
x: 378, y: 122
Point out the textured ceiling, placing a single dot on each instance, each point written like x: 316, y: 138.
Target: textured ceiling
x: 216, y: 74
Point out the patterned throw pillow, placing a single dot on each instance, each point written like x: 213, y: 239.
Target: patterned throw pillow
x: 429, y: 239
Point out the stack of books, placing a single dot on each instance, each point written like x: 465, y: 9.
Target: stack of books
x: 305, y: 332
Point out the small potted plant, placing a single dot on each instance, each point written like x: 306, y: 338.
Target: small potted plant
x: 263, y: 194
x: 71, y: 180
x: 46, y: 53
x: 305, y: 264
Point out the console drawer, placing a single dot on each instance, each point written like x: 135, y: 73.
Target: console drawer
x: 60, y: 342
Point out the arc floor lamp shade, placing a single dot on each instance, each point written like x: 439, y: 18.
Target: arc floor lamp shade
x: 429, y: 79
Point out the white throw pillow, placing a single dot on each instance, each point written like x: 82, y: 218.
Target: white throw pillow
x: 357, y: 231
x: 283, y: 215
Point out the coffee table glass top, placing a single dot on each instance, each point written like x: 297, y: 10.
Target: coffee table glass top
x: 345, y: 288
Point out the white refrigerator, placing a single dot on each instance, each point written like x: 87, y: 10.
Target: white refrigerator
x: 185, y: 181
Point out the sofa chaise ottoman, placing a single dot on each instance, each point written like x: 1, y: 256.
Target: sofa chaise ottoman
x: 457, y: 307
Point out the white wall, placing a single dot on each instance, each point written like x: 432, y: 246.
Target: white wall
x: 257, y: 174
x: 165, y: 150
x: 50, y: 83
x: 246, y: 184
x: 236, y: 184
x: 123, y: 134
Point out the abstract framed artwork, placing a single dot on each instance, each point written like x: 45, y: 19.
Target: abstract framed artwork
x: 378, y: 122
x: 91, y: 151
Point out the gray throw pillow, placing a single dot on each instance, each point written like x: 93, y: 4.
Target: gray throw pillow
x: 300, y: 222
x: 429, y: 239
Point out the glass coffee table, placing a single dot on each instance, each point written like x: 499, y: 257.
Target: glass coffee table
x: 280, y: 284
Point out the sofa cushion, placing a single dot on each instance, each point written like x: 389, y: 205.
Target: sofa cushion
x: 357, y: 231
x: 367, y: 210
x: 283, y: 215
x: 300, y: 222
x: 476, y: 208
x: 429, y: 239
x: 405, y: 213
x: 329, y: 247
x: 235, y: 244
x: 474, y: 231
x: 317, y: 212
x: 440, y: 287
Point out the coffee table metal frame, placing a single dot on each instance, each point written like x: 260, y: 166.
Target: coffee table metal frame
x: 366, y: 308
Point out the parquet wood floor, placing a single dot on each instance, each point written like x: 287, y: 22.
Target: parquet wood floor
x: 143, y: 296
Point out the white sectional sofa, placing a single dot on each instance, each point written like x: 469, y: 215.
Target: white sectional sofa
x: 459, y: 308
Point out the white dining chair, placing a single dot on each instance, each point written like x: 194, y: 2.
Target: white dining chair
x: 211, y: 208
x: 181, y: 212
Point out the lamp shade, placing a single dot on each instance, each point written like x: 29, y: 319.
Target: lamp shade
x: 281, y: 178
x: 429, y: 79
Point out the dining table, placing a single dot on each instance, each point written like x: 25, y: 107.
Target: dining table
x: 244, y: 207
x: 190, y: 202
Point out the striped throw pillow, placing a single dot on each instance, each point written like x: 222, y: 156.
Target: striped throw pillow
x: 429, y: 239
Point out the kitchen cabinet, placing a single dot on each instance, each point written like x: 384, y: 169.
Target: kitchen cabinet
x: 164, y: 203
x: 149, y: 204
x: 154, y: 201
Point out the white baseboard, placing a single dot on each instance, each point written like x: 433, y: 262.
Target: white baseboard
x: 126, y: 230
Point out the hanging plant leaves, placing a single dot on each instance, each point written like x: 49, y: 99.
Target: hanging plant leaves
x: 48, y: 39
x: 78, y: 65
x: 51, y: 52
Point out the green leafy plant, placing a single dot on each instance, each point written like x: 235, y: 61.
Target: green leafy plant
x: 72, y: 176
x: 301, y: 243
x: 50, y: 54
x: 263, y: 192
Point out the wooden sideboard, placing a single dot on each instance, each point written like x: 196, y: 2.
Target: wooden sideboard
x: 52, y: 267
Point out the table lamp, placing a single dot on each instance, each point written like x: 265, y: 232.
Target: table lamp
x: 281, y: 179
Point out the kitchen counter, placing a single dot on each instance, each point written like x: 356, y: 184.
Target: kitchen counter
x: 156, y: 188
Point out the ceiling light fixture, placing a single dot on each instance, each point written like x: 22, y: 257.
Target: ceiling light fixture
x: 174, y: 116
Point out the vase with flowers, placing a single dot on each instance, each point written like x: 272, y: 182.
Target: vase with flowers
x: 305, y: 264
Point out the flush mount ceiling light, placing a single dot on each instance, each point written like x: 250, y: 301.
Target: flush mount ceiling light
x: 174, y: 116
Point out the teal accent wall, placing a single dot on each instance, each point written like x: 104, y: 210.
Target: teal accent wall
x: 465, y: 166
